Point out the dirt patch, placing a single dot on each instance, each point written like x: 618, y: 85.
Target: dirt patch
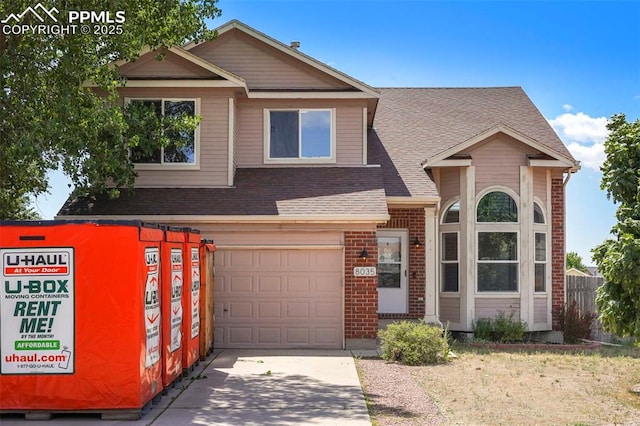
x: 484, y: 386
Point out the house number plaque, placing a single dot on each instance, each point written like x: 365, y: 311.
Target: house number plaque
x: 365, y: 271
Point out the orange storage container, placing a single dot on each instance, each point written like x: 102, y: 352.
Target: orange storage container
x: 207, y: 253
x: 191, y: 300
x: 172, y: 283
x: 80, y: 315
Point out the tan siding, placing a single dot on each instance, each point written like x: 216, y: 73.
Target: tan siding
x: 498, y: 162
x: 540, y: 310
x: 491, y: 307
x: 172, y: 66
x: 213, y: 140
x: 349, y: 135
x: 450, y: 309
x: 449, y: 183
x: 540, y: 184
x: 262, y: 66
x: 267, y: 238
x: 250, y: 140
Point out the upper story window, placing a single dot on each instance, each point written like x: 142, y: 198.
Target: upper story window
x: 497, y: 206
x: 302, y: 135
x: 182, y: 150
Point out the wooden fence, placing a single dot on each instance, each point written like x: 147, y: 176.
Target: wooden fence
x: 582, y: 291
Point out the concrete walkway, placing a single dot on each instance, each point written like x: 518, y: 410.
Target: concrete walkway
x: 254, y: 387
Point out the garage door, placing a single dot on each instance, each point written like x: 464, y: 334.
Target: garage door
x: 278, y: 298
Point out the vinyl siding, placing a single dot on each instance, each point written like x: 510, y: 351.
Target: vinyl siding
x: 262, y: 66
x: 173, y: 66
x: 491, y: 307
x: 213, y: 147
x: 250, y: 141
x: 450, y: 309
x: 498, y: 162
x: 540, y: 184
x: 449, y: 183
x: 540, y: 310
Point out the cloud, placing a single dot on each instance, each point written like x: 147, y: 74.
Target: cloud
x: 584, y: 136
x: 567, y: 107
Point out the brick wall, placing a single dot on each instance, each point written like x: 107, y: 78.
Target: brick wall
x: 413, y: 220
x: 361, y: 293
x: 557, y: 249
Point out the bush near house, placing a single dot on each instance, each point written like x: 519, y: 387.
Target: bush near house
x: 574, y: 324
x: 414, y: 343
x: 501, y: 329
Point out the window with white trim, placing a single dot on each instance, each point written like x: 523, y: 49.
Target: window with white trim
x: 450, y: 275
x: 182, y: 150
x: 497, y: 243
x: 540, y: 262
x: 300, y: 134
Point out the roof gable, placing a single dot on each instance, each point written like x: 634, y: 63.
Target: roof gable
x: 176, y: 64
x: 436, y: 160
x: 268, y: 64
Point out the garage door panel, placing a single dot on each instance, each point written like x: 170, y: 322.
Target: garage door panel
x: 298, y: 310
x: 277, y: 298
x: 298, y: 283
x: 269, y: 335
x: 269, y: 310
x: 297, y: 335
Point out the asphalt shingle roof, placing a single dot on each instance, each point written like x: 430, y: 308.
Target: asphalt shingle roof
x: 292, y: 191
x: 414, y: 124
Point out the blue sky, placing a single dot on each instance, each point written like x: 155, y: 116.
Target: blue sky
x: 579, y: 61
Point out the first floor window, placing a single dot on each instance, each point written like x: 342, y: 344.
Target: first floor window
x: 497, y: 261
x: 300, y: 134
x: 182, y: 145
x: 540, y: 263
x: 450, y: 263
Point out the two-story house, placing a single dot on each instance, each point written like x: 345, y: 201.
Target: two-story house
x: 334, y: 204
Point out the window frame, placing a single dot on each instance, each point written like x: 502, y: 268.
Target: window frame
x: 542, y: 228
x: 331, y: 159
x: 544, y: 262
x: 449, y: 262
x: 498, y: 227
x: 196, y: 136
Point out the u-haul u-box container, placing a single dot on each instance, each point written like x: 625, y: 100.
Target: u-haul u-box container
x: 80, y: 315
x: 191, y: 300
x: 172, y: 287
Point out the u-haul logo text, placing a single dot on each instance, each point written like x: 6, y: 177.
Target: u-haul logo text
x: 49, y: 263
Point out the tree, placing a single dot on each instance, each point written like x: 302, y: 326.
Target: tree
x: 49, y: 119
x: 618, y: 258
x: 574, y: 260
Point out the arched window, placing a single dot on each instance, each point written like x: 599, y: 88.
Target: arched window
x: 497, y: 206
x: 452, y: 215
x: 449, y: 250
x: 497, y: 242
x: 538, y: 216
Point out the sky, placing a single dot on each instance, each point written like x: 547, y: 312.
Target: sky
x: 579, y: 62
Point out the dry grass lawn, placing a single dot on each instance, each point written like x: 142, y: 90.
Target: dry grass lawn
x: 540, y: 387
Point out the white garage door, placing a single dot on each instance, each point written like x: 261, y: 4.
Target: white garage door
x: 278, y: 298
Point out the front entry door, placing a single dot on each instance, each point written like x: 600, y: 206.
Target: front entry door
x: 392, y: 272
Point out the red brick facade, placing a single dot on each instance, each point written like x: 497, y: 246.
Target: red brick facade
x: 413, y: 220
x: 361, y: 293
x: 557, y: 248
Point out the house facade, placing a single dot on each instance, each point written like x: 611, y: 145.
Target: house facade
x: 334, y: 204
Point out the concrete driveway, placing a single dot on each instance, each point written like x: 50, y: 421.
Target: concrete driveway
x: 254, y: 387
